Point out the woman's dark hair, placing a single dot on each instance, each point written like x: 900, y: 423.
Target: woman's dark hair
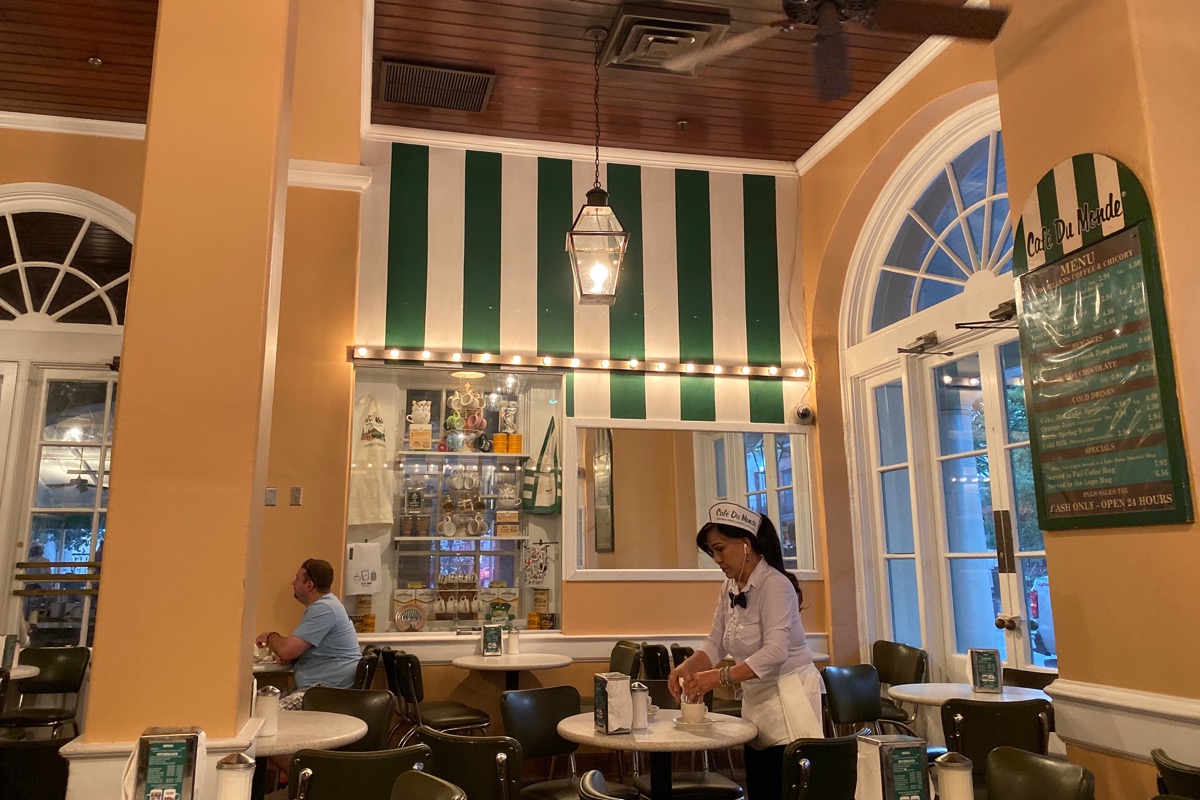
x: 765, y: 543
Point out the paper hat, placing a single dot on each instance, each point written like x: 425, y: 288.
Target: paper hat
x: 735, y: 515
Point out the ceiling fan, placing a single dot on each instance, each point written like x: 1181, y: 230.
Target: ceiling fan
x: 920, y: 17
x: 80, y: 482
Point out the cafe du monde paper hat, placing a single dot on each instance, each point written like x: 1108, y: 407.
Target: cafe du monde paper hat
x: 735, y: 515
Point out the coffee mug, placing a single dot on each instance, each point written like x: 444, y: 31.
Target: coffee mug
x: 470, y: 481
x: 476, y: 422
x: 476, y: 526
x: 693, y: 713
x: 446, y: 528
x: 454, y: 422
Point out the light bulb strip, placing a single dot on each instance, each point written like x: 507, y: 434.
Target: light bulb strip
x: 527, y: 361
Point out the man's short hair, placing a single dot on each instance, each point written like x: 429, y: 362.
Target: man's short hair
x: 320, y: 573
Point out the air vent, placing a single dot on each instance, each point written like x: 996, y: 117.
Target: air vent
x: 643, y: 37
x: 434, y: 87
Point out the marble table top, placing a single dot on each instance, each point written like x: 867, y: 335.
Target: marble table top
x: 507, y: 663
x: 321, y: 730
x: 934, y: 694
x: 662, y: 736
x: 272, y: 666
x: 19, y: 671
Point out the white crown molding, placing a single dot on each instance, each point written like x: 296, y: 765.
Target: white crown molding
x: 577, y: 152
x: 72, y: 125
x: 930, y: 49
x: 1126, y: 722
x: 328, y: 175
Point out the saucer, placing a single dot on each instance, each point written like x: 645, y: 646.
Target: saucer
x: 694, y: 726
x: 651, y: 711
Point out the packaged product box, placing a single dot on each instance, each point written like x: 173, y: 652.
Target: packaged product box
x: 420, y: 436
x: 508, y: 516
x: 507, y: 529
x: 614, y: 703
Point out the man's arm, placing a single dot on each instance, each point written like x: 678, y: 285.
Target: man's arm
x: 288, y: 648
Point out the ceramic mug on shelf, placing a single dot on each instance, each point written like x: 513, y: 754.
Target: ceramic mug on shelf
x: 420, y: 412
x: 446, y: 527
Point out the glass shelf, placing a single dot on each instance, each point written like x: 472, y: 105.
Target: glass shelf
x: 460, y: 539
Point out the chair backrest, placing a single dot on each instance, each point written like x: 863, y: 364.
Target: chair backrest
x: 334, y: 775
x: 626, y: 657
x: 1014, y: 774
x: 852, y: 694
x: 372, y: 706
x: 60, y: 670
x: 364, y: 675
x: 531, y: 716
x: 593, y: 787
x: 486, y: 767
x: 976, y: 727
x: 1176, y: 777
x: 899, y: 663
x: 414, y: 785
x: 32, y: 769
x: 821, y: 769
x: 681, y: 653
x: 1028, y: 678
x: 660, y: 695
x: 656, y: 661
x: 407, y: 674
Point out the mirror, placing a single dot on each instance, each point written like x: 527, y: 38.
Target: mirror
x: 642, y: 494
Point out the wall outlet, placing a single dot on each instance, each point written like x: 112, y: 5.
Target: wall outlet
x: 272, y: 496
x: 295, y: 495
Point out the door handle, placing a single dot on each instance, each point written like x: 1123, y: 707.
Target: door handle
x: 1009, y: 623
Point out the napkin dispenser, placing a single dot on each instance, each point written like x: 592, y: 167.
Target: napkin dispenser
x: 892, y: 768
x: 613, y: 703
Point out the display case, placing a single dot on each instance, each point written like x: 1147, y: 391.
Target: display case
x: 461, y: 548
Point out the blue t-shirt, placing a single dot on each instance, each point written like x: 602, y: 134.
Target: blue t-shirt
x: 333, y: 658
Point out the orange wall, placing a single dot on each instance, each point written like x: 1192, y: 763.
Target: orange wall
x: 835, y: 198
x: 328, y: 79
x: 310, y: 427
x: 109, y: 167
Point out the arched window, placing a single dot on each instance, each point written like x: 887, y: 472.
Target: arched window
x: 62, y: 259
x: 959, y: 226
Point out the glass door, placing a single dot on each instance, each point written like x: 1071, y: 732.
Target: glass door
x: 994, y: 589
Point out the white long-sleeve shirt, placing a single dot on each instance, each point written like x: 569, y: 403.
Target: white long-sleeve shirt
x: 767, y: 634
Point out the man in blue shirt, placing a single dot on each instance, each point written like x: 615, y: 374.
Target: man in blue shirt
x: 324, y: 645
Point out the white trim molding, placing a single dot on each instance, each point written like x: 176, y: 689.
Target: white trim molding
x: 72, y: 125
x: 1126, y: 722
x: 328, y: 175
x: 578, y: 152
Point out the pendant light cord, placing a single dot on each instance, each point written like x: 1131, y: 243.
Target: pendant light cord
x: 596, y: 102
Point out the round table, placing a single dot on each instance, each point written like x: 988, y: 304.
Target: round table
x: 18, y: 671
x: 660, y: 740
x: 934, y: 694
x: 261, y: 667
x: 321, y: 730
x: 511, y: 665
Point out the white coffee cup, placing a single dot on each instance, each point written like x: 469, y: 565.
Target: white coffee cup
x: 470, y: 481
x: 476, y: 526
x: 446, y: 527
x: 693, y: 713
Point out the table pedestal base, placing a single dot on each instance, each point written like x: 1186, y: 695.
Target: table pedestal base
x: 660, y: 776
x: 512, y: 680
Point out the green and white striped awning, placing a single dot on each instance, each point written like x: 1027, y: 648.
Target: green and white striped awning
x: 476, y: 262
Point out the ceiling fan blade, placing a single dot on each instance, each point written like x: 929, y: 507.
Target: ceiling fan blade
x: 927, y: 18
x: 689, y: 62
x: 829, y: 54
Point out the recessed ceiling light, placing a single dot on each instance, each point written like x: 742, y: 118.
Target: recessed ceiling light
x: 467, y: 373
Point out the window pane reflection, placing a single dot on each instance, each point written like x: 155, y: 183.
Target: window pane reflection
x: 967, y: 495
x: 961, y: 422
x: 975, y: 598
x: 906, y: 610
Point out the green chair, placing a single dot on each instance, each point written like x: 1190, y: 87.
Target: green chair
x: 898, y: 664
x: 373, y: 707
x: 1014, y: 774
x: 853, y: 699
x: 414, y: 785
x: 32, y: 769
x: 403, y: 671
x: 976, y: 727
x: 626, y: 657
x: 592, y: 786
x: 1176, y: 777
x: 681, y: 653
x: 334, y: 775
x: 364, y: 674
x: 656, y: 661
x: 1028, y: 678
x: 486, y: 767
x: 61, y: 670
x: 821, y: 769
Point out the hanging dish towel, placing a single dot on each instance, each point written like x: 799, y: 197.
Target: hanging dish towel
x: 542, y: 491
x: 370, y: 478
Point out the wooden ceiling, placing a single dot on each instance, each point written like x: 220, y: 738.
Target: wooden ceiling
x: 760, y: 103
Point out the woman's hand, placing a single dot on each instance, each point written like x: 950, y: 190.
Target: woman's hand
x: 674, y: 678
x: 698, y: 684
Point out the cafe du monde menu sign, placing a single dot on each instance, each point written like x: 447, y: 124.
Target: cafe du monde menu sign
x: 1099, y: 377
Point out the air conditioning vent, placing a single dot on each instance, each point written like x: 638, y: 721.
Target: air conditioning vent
x: 643, y: 37
x: 434, y: 87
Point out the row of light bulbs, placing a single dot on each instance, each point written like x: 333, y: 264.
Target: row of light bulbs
x: 620, y: 365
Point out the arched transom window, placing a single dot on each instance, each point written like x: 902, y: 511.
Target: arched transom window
x: 62, y: 267
x: 958, y: 227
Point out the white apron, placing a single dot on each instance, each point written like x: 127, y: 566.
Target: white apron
x: 784, y: 709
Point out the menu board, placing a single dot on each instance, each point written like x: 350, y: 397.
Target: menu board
x: 1102, y: 411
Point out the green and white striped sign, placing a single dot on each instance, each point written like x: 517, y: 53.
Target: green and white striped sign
x: 1076, y: 204
x: 476, y: 262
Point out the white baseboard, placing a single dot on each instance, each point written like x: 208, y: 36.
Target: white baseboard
x: 1126, y: 722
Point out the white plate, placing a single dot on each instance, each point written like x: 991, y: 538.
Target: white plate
x: 693, y: 726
